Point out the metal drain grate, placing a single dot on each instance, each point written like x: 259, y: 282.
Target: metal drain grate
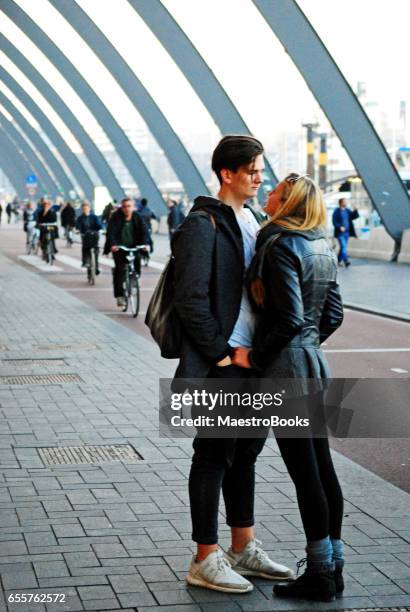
x: 79, y: 346
x: 70, y: 455
x: 40, y: 379
x: 33, y: 362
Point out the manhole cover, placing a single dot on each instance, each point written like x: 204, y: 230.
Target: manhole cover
x: 69, y: 455
x: 40, y: 379
x: 33, y: 362
x: 79, y: 346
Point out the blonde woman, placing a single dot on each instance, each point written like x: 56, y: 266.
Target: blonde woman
x: 301, y: 307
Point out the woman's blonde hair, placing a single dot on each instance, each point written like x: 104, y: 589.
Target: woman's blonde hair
x: 303, y: 206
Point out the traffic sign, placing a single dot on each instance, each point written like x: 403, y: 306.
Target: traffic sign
x: 31, y: 179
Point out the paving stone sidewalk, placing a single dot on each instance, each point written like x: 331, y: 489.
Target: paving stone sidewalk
x: 117, y: 535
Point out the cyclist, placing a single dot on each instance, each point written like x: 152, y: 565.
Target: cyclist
x: 88, y: 222
x: 29, y: 221
x: 47, y: 215
x: 68, y: 220
x: 125, y: 228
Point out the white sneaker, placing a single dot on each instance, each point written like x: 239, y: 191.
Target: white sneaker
x: 120, y: 302
x: 215, y: 573
x: 254, y: 561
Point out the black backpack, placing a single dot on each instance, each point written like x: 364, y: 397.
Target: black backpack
x: 161, y: 318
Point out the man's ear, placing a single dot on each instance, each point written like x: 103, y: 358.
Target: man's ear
x: 226, y: 175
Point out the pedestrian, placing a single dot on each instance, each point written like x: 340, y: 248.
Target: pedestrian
x: 125, y: 228
x: 175, y: 216
x: 211, y: 251
x: 148, y: 215
x: 9, y: 210
x: 68, y: 218
x: 342, y: 220
x: 301, y: 308
x: 107, y: 212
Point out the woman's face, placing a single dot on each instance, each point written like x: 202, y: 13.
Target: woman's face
x: 275, y: 199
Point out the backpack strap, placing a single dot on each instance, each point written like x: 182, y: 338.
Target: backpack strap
x: 203, y: 213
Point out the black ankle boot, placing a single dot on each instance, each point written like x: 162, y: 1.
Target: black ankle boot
x: 314, y: 586
x: 339, y: 582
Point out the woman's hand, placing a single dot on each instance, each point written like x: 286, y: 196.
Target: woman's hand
x: 241, y: 357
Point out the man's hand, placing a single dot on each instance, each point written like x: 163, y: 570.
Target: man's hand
x: 114, y: 249
x: 342, y: 228
x: 241, y: 357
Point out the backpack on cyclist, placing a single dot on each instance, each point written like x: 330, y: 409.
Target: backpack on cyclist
x: 161, y: 318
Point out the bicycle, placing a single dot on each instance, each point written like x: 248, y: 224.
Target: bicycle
x: 131, y: 281
x: 47, y: 241
x: 32, y: 238
x: 90, y: 242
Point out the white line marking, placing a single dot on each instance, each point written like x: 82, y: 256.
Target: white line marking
x: 96, y: 288
x: 38, y: 263
x: 399, y: 370
x: 106, y: 262
x: 156, y: 265
x: 69, y: 261
x: 369, y: 350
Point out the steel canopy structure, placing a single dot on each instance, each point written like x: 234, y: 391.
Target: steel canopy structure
x: 343, y: 110
x: 44, y: 178
x: 119, y: 139
x: 95, y: 156
x: 287, y: 23
x: 157, y: 123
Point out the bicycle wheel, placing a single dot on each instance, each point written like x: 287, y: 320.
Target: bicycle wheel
x: 35, y: 244
x: 134, y: 295
x: 49, y: 253
x: 91, y: 268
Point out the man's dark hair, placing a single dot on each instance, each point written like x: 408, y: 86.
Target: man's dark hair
x: 125, y: 200
x: 144, y: 201
x: 234, y: 151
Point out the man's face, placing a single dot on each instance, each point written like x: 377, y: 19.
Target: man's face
x: 86, y: 210
x: 342, y: 203
x: 127, y: 207
x: 46, y: 205
x: 245, y: 182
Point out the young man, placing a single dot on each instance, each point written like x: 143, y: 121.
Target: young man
x: 212, y: 306
x: 342, y: 220
x: 86, y: 223
x: 125, y: 228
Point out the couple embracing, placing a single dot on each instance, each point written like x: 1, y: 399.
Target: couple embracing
x: 223, y: 339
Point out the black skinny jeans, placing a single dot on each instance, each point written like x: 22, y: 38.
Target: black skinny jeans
x: 227, y: 464
x: 318, y: 491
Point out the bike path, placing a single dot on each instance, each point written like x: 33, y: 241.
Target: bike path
x: 116, y: 535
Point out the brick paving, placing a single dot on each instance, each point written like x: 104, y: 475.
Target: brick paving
x: 117, y: 535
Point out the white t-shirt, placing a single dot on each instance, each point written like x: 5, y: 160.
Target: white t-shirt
x: 244, y: 329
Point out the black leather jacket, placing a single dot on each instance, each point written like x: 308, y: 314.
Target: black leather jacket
x: 303, y: 305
